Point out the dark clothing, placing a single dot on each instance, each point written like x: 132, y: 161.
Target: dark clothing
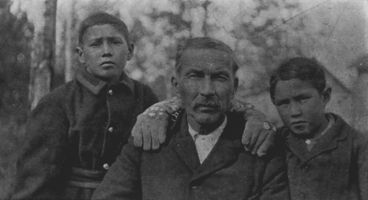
x: 74, y: 134
x: 175, y: 173
x: 336, y: 167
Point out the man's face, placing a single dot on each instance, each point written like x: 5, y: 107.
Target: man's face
x: 104, y: 52
x: 300, y: 106
x: 206, y: 84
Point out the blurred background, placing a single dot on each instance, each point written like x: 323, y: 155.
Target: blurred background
x: 38, y: 38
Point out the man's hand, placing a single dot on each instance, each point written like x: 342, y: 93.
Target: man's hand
x: 259, y: 134
x: 150, y: 129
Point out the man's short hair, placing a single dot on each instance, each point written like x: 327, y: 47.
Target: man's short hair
x: 302, y: 68
x: 101, y: 18
x: 203, y: 43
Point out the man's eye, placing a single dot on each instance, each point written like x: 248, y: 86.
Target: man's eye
x: 221, y: 77
x: 193, y: 75
x: 117, y: 42
x: 94, y: 44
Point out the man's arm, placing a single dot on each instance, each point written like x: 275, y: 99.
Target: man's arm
x: 150, y: 128
x: 122, y: 181
x: 42, y: 154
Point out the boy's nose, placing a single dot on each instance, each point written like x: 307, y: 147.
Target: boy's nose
x: 295, y: 110
x: 106, y: 49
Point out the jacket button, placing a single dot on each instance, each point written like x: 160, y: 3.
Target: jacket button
x: 110, y: 92
x: 110, y: 129
x: 195, y: 187
x: 106, y: 166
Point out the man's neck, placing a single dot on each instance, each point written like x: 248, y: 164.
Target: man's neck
x: 205, y: 129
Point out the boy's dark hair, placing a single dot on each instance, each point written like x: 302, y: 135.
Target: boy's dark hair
x: 203, y: 43
x: 302, y: 68
x: 101, y: 18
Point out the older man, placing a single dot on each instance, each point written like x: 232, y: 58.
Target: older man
x: 203, y: 157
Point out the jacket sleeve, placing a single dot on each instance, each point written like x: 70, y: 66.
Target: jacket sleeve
x: 275, y: 182
x: 42, y: 153
x: 122, y: 181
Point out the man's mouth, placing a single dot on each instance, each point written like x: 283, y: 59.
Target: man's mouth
x: 207, y: 107
x: 299, y: 123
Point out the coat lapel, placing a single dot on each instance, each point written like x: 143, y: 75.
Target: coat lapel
x: 223, y: 153
x: 184, y: 146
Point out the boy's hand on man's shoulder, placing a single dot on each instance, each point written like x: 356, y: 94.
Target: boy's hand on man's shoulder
x: 150, y: 129
x: 259, y: 134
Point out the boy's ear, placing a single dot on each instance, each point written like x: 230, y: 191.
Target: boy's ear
x: 130, y: 51
x: 327, y: 95
x: 80, y: 53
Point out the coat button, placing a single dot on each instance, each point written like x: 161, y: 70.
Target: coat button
x: 106, y: 166
x: 110, y: 92
x: 110, y: 129
x: 195, y: 187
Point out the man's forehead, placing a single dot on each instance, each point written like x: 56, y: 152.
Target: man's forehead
x: 208, y: 56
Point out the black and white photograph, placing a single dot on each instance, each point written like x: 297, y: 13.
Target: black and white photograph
x: 183, y: 99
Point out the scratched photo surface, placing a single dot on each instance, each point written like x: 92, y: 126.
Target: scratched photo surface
x: 262, y: 33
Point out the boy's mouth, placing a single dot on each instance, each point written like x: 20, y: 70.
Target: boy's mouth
x: 107, y: 64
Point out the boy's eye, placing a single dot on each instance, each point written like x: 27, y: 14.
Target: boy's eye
x: 302, y: 99
x: 282, y: 103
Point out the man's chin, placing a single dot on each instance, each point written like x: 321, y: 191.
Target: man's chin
x: 208, y: 119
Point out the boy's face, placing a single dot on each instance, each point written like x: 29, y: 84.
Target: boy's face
x: 301, y: 106
x: 206, y: 83
x: 104, y: 52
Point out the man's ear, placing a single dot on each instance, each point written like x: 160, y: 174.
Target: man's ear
x: 326, y: 95
x: 130, y: 51
x: 80, y: 53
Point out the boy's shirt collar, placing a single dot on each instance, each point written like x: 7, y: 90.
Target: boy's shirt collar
x: 95, y: 85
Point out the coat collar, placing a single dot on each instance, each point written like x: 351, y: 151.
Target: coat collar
x: 327, y: 142
x: 223, y: 153
x: 95, y: 85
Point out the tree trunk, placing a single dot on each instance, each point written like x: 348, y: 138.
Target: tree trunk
x: 42, y: 56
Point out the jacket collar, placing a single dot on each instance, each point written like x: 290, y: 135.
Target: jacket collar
x: 326, y: 143
x: 95, y: 85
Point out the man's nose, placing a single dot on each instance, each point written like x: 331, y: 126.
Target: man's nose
x: 207, y: 88
x: 106, y: 48
x: 295, y: 109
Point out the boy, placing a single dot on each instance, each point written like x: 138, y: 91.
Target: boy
x: 76, y: 131
x: 326, y: 158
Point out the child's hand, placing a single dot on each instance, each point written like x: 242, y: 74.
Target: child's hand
x: 150, y: 129
x: 259, y: 134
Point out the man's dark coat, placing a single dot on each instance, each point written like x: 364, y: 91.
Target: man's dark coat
x: 174, y: 172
